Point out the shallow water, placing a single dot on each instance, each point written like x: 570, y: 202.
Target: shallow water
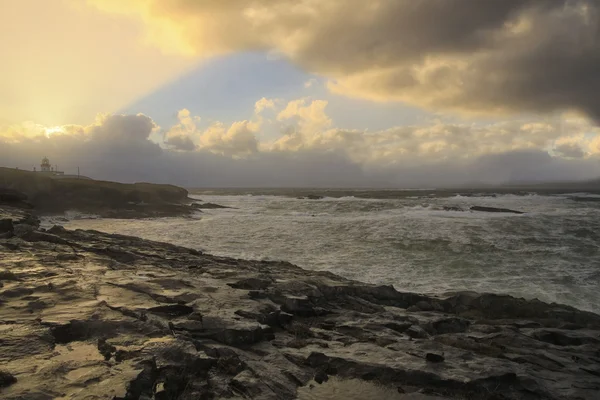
x: 551, y: 252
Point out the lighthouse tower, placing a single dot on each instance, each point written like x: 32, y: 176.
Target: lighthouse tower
x: 46, y: 167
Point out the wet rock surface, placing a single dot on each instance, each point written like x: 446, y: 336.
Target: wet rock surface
x: 85, y: 314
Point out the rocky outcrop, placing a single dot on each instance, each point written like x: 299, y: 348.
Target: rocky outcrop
x: 207, y: 206
x: 102, y: 198
x: 482, y: 209
x: 90, y: 315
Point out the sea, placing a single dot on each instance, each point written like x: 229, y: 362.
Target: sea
x: 418, y: 241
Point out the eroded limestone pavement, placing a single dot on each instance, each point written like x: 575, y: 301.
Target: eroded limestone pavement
x: 88, y: 315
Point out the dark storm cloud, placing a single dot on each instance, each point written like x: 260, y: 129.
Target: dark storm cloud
x: 569, y: 150
x: 183, y: 143
x: 482, y: 56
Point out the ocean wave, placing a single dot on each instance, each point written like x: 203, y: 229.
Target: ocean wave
x: 420, y: 245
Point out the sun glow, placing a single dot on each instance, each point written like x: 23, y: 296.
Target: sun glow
x: 53, y: 131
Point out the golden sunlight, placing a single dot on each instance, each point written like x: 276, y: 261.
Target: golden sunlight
x: 53, y: 130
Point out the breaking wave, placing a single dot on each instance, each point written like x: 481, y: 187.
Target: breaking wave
x: 419, y: 243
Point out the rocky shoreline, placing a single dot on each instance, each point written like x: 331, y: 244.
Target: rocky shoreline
x: 89, y: 315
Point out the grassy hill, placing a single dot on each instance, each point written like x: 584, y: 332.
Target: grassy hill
x: 105, y: 198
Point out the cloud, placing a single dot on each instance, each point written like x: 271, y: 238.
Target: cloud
x: 181, y: 136
x: 569, y: 150
x: 122, y: 128
x: 183, y: 143
x: 510, y: 56
x: 237, y: 140
x: 263, y: 104
x: 310, y: 83
x: 311, y: 115
x: 310, y: 150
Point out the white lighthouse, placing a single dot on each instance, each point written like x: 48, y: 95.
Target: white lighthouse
x: 46, y: 167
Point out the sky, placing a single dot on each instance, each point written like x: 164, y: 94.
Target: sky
x: 271, y: 93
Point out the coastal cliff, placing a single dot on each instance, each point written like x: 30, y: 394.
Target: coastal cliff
x: 102, y: 198
x: 89, y: 315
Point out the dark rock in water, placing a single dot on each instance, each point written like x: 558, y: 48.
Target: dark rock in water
x: 495, y: 210
x: 585, y: 199
x: 207, y: 206
x: 6, y: 379
x: 435, y: 358
x: 452, y: 208
x: 314, y: 197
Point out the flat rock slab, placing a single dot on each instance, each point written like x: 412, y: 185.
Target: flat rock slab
x: 90, y: 315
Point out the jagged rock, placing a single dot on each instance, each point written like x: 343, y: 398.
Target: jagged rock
x: 416, y: 332
x: 172, y: 310
x: 195, y: 316
x: 106, y: 349
x: 321, y: 376
x: 450, y: 325
x: 301, y: 306
x: 247, y: 384
x: 244, y: 334
x: 30, y: 234
x: 559, y: 337
x: 6, y: 225
x: 6, y: 379
x: 22, y: 230
x: 143, y: 386
x: 424, y: 306
x: 433, y: 357
x: 284, y: 318
x: 57, y: 229
x: 257, y: 294
x: 251, y: 284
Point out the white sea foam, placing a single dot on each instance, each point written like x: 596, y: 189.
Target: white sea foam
x: 551, y: 252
